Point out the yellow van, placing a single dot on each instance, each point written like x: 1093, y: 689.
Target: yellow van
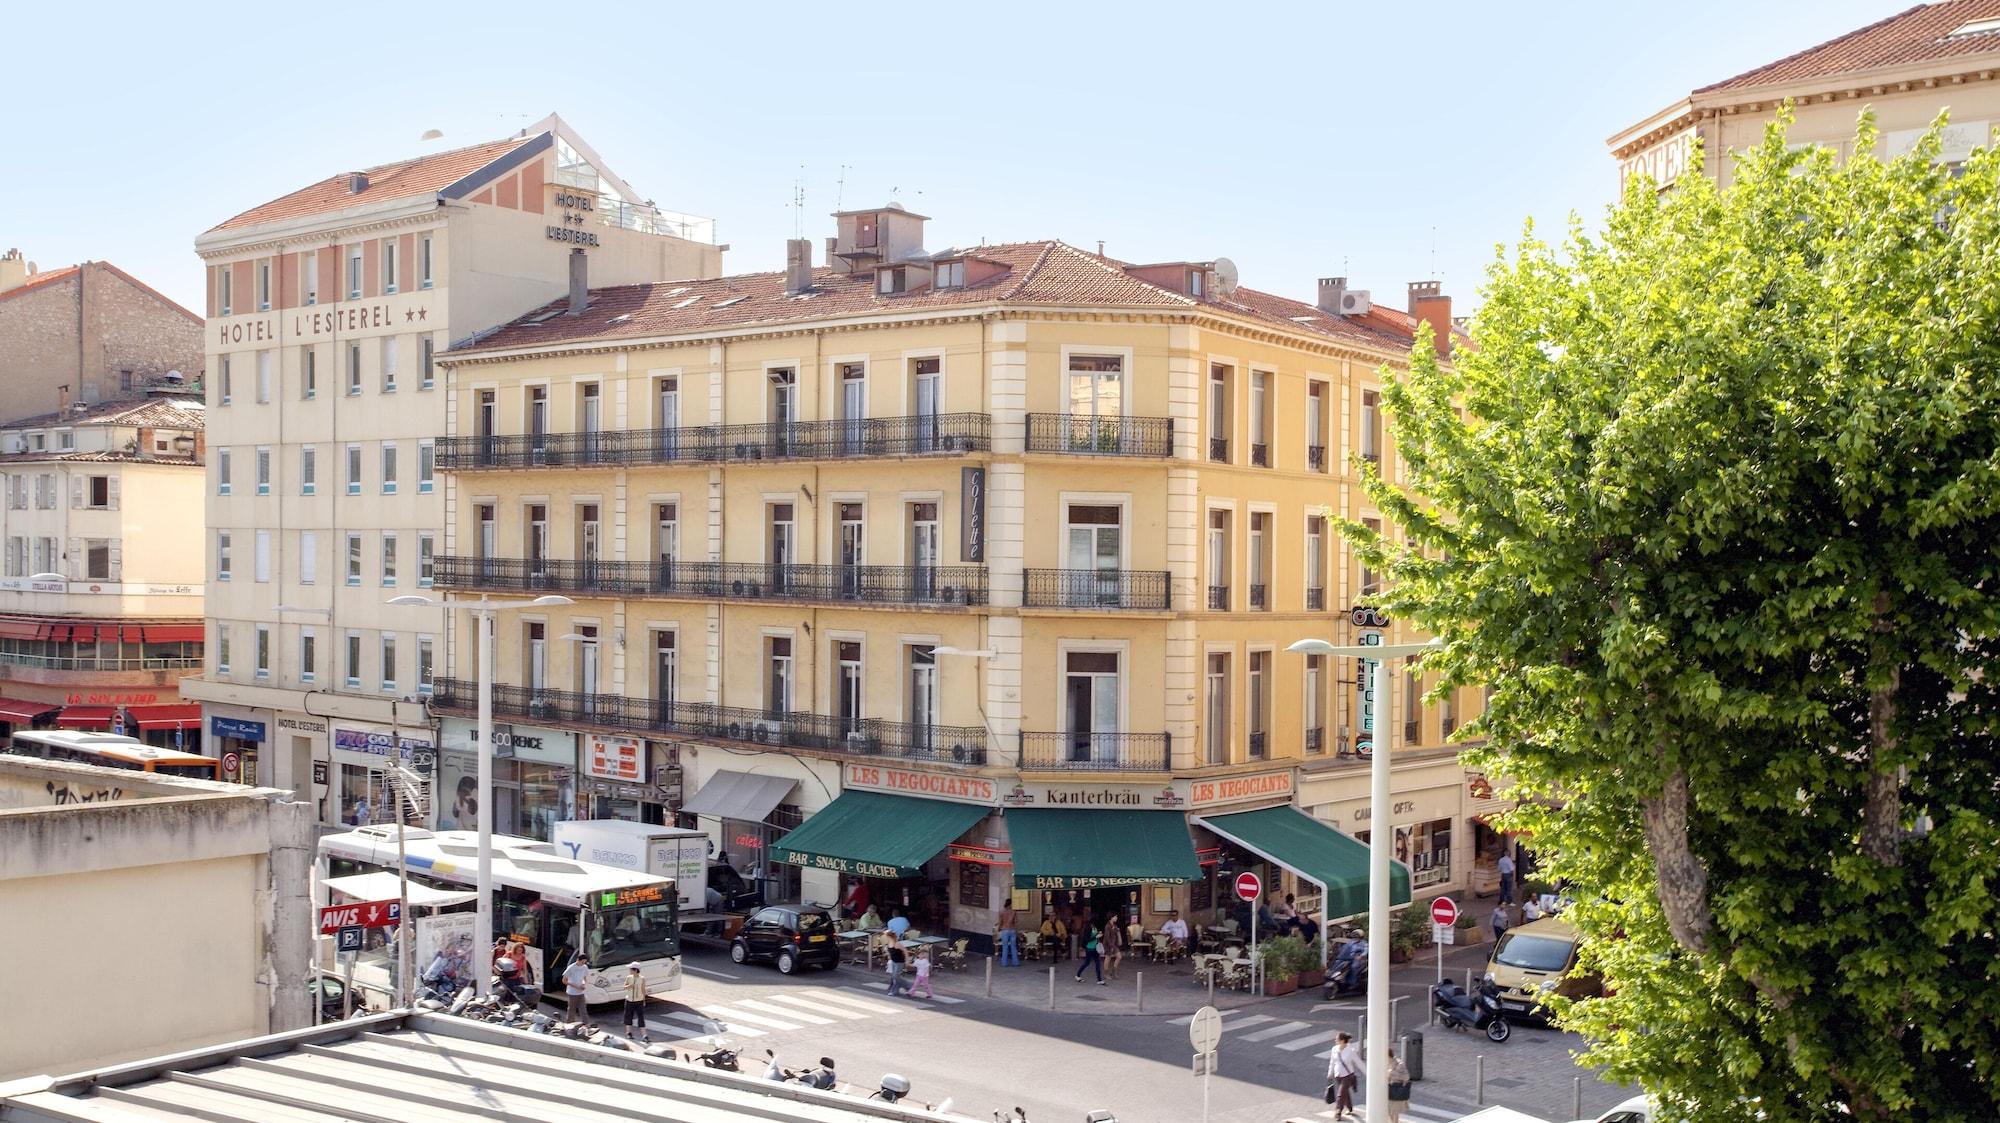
x: 1536, y: 958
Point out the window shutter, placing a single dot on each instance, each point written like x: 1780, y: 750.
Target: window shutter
x: 111, y: 490
x: 117, y: 559
x: 76, y: 493
x: 75, y: 551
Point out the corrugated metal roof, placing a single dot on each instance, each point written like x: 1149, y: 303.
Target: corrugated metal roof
x: 427, y: 1068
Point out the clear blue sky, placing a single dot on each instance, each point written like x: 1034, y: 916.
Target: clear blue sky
x: 1300, y: 142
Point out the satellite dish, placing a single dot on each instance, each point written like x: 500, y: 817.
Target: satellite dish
x: 1225, y: 276
x: 432, y: 134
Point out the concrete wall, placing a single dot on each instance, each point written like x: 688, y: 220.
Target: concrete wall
x: 146, y: 915
x: 81, y: 331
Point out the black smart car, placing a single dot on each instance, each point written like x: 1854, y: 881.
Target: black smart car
x: 788, y: 935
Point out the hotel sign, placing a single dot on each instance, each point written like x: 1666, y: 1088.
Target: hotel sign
x: 576, y: 208
x: 1664, y: 160
x: 1235, y: 789
x: 347, y: 318
x: 929, y: 785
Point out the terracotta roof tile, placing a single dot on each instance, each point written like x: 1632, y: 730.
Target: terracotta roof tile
x: 1918, y: 34
x: 40, y: 280
x: 160, y: 413
x: 1038, y: 273
x: 403, y: 179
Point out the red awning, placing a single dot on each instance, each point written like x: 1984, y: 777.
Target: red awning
x: 57, y: 633
x: 18, y: 711
x: 1486, y: 820
x: 20, y: 629
x: 87, y: 633
x: 85, y: 717
x: 186, y: 715
x: 173, y: 633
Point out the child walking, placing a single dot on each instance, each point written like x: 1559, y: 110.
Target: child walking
x: 923, y: 969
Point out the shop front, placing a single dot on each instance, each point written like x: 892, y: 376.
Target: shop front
x: 746, y: 802
x: 534, y: 778
x: 1427, y: 815
x: 926, y: 843
x: 1102, y: 850
x: 362, y: 754
x: 236, y: 737
x: 631, y: 779
x: 176, y: 726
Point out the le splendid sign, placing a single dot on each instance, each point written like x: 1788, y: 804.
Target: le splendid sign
x: 309, y: 324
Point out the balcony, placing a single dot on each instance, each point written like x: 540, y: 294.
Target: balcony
x: 941, y: 586
x: 1260, y: 596
x: 1096, y: 752
x: 1316, y: 600
x: 1096, y: 588
x: 1316, y: 739
x: 862, y: 737
x: 1100, y: 436
x: 1316, y: 457
x: 1260, y: 455
x: 944, y: 434
x: 1218, y: 449
x: 1218, y: 598
x: 1259, y: 742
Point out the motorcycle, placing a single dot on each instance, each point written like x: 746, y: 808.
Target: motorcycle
x: 721, y: 1054
x: 820, y: 1076
x: 1348, y: 972
x: 1459, y: 1010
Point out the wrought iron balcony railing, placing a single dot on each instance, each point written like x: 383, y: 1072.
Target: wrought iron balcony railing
x: 1218, y: 449
x: 1101, y: 436
x: 861, y: 737
x: 1096, y: 752
x: 1260, y: 596
x: 1316, y: 600
x: 943, y: 434
x: 1218, y: 598
x: 1316, y: 739
x: 1260, y: 455
x: 1096, y: 588
x: 939, y: 585
x: 1259, y: 741
x: 1316, y: 457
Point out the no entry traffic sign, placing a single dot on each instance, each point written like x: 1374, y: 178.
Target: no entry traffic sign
x: 1248, y: 886
x: 1444, y: 910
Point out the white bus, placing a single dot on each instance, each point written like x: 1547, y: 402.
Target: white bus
x: 109, y: 750
x: 547, y: 903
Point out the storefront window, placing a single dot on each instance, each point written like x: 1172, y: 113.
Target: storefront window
x: 458, y: 792
x: 548, y: 792
x: 1429, y: 848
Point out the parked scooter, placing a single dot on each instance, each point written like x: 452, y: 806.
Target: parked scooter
x: 1459, y: 1010
x: 721, y: 1054
x: 819, y: 1076
x: 896, y: 1088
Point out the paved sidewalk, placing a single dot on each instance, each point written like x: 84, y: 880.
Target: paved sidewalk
x: 1169, y: 987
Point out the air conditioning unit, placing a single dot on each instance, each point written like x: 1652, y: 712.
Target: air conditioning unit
x: 1355, y: 302
x: 765, y: 731
x: 969, y: 754
x: 743, y: 451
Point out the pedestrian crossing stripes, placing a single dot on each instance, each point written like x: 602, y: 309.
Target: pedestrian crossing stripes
x: 776, y: 1013
x: 1282, y: 1030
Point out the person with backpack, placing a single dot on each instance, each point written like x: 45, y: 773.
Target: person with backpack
x: 1093, y: 949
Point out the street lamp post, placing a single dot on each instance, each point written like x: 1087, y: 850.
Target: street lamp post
x: 1379, y: 840
x: 483, y: 611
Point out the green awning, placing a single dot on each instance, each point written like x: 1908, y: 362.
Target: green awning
x: 1064, y: 849
x: 876, y: 835
x: 1314, y: 851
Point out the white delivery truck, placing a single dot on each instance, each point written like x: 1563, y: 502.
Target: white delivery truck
x: 676, y: 852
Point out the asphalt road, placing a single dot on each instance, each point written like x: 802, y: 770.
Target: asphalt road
x: 994, y: 1053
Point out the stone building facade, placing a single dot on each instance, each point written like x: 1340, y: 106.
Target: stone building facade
x: 93, y: 328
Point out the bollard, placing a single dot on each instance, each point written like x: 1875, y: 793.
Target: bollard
x: 989, y: 976
x: 1479, y: 1079
x: 1052, y: 988
x: 1396, y: 1013
x: 1361, y: 1029
x: 1468, y: 980
x: 1211, y: 987
x: 1576, y: 1097
x: 1140, y: 976
x: 1430, y: 997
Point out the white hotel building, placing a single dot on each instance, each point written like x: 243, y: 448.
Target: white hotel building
x: 325, y: 309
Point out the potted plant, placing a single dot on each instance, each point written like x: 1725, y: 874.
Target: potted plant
x: 1280, y: 959
x: 1409, y: 931
x: 1313, y: 973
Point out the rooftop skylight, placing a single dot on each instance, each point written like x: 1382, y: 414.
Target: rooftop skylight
x: 1975, y: 27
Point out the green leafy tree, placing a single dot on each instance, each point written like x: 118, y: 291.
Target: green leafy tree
x: 1713, y: 506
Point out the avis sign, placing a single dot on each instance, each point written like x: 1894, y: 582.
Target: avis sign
x: 366, y: 914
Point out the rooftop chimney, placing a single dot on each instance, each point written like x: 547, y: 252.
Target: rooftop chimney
x: 1331, y: 289
x: 1428, y: 303
x: 357, y: 182
x: 798, y: 265
x: 579, y: 281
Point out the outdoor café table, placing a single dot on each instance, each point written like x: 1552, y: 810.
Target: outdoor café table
x: 859, y: 941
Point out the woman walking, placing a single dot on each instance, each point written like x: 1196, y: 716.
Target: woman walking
x: 897, y: 958
x: 1113, y: 941
x: 1399, y: 1088
x: 1093, y: 949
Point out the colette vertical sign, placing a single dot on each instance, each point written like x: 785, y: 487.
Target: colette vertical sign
x: 972, y: 514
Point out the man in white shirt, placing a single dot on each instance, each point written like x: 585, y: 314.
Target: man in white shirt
x: 574, y: 977
x: 1344, y: 1069
x: 1530, y: 910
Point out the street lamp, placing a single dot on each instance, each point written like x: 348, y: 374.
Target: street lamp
x: 1379, y: 831
x: 483, y: 610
